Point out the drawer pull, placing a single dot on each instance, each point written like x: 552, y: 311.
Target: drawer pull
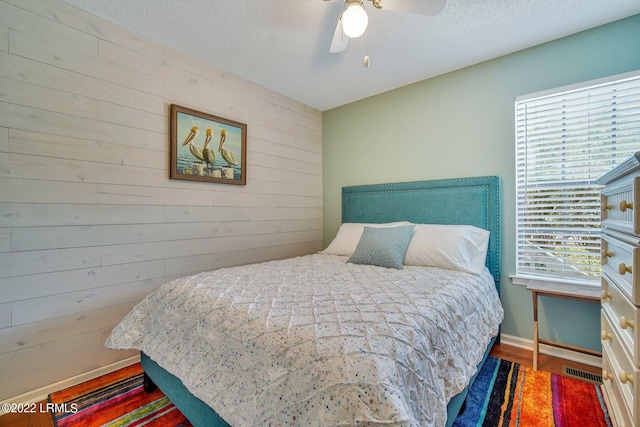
x: 624, y: 205
x: 605, y: 335
x: 623, y: 269
x: 624, y: 378
x: 624, y: 323
x: 606, y: 254
x: 606, y: 376
x: 604, y: 295
x: 607, y: 207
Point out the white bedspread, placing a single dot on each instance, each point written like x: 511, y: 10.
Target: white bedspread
x: 314, y: 341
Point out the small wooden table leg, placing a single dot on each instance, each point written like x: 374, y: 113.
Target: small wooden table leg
x: 573, y: 292
x: 536, y: 345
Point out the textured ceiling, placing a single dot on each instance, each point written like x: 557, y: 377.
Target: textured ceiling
x: 284, y: 44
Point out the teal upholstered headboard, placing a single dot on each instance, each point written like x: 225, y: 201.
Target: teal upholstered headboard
x: 473, y: 201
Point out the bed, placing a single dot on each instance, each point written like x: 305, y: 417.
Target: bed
x: 357, y: 348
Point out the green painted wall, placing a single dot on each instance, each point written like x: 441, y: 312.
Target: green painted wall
x: 462, y: 124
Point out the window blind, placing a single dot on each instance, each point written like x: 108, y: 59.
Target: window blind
x: 564, y: 141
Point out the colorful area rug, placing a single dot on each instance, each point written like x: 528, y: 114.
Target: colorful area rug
x: 115, y: 399
x: 509, y: 394
x: 504, y: 394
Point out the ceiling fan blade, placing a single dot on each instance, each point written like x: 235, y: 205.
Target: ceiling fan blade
x: 419, y: 7
x: 340, y: 39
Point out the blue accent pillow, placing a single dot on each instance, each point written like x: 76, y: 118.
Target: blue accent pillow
x: 384, y: 247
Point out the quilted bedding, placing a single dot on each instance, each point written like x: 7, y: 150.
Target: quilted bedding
x: 315, y: 341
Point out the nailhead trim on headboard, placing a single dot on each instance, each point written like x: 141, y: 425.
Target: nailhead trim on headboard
x: 451, y: 192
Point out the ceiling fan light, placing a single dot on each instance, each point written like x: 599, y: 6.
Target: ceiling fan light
x: 354, y: 20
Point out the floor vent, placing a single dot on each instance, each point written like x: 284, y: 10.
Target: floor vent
x: 582, y: 375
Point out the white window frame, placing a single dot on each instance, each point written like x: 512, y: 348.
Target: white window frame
x: 528, y: 270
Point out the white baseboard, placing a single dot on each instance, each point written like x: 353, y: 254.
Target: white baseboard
x: 562, y: 353
x: 42, y: 393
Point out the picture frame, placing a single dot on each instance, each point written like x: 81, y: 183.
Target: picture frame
x: 207, y: 148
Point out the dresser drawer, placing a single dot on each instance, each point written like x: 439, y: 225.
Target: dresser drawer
x: 619, y: 313
x: 618, y: 259
x: 620, y: 203
x: 623, y: 372
x: 613, y: 397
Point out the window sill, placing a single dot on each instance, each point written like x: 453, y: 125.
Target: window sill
x: 562, y: 287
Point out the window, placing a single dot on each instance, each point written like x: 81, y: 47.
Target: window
x: 565, y: 140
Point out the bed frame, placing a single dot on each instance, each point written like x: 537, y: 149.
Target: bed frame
x: 472, y: 201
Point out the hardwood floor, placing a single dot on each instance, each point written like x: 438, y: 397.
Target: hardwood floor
x: 37, y: 419
x: 545, y: 363
x: 514, y: 354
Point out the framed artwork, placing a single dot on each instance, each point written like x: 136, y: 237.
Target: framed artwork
x: 207, y: 148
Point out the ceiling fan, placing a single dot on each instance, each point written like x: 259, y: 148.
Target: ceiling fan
x: 353, y: 21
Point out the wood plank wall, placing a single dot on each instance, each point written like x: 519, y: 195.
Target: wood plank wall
x: 90, y: 222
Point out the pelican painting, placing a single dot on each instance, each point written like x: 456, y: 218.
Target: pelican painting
x: 208, y: 154
x: 226, y: 154
x: 193, y: 153
x: 193, y: 147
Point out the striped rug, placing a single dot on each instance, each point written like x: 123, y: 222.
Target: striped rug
x: 505, y: 394
x: 115, y: 399
x: 509, y: 394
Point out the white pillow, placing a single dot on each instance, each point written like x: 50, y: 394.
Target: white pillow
x: 454, y: 247
x: 349, y: 234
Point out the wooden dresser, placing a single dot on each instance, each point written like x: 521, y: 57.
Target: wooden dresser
x: 620, y: 311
